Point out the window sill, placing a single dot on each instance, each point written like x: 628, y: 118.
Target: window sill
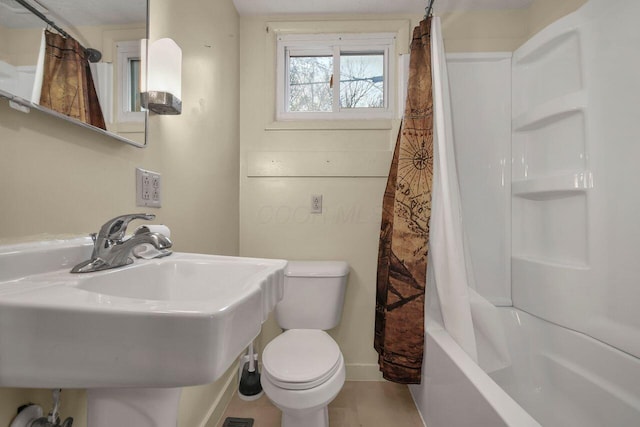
x: 372, y: 124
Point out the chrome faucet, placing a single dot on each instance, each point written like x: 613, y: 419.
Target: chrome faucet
x: 112, y: 250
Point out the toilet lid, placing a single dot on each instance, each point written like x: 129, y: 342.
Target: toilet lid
x: 301, y: 358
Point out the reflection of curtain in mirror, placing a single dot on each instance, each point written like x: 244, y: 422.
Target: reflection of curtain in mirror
x: 67, y: 85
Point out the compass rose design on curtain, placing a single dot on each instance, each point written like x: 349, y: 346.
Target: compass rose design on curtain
x: 404, y: 234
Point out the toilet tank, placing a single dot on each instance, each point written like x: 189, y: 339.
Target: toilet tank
x: 313, y: 295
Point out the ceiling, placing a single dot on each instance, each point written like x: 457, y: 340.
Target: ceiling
x: 276, y: 7
x: 73, y: 13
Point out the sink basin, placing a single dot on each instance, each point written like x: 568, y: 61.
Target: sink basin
x: 170, y: 322
x: 181, y: 278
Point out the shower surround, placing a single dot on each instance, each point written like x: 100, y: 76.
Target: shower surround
x: 563, y: 275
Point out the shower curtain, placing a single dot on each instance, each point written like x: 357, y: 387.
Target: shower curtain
x: 421, y: 221
x: 67, y: 84
x: 451, y: 266
x: 404, y: 234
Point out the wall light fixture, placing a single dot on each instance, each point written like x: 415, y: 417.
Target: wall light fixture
x: 161, y: 84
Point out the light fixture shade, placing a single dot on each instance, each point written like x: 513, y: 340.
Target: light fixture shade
x: 162, y: 77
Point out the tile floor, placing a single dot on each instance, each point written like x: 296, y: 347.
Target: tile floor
x: 366, y: 404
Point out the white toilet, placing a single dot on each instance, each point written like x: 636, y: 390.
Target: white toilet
x: 303, y: 368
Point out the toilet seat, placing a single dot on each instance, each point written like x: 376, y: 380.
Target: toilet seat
x: 301, y: 359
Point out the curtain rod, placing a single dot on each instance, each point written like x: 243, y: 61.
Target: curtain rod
x: 427, y: 10
x: 93, y: 55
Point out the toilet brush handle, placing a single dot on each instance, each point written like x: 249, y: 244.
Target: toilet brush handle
x: 252, y: 366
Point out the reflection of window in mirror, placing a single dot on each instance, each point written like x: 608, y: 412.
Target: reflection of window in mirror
x: 128, y: 75
x: 134, y: 84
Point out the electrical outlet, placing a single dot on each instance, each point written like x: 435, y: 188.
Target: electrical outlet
x: 316, y: 203
x: 148, y: 186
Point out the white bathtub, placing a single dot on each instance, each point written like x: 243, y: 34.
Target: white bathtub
x: 557, y: 377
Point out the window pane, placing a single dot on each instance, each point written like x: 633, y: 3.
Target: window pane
x: 310, y: 83
x: 362, y: 80
x: 134, y: 85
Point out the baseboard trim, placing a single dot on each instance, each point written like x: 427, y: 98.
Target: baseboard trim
x: 363, y: 372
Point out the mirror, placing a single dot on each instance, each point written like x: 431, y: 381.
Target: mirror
x: 113, y: 27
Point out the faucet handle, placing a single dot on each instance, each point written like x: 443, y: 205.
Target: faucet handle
x: 115, y: 228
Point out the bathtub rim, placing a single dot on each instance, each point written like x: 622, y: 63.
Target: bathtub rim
x: 499, y: 400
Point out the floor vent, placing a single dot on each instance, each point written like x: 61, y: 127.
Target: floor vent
x: 238, y: 422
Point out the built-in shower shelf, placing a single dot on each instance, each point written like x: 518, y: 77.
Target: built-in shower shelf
x: 551, y: 111
x: 523, y: 265
x: 552, y: 187
x: 554, y: 37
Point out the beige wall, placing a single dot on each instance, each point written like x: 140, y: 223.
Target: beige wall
x: 4, y: 37
x: 544, y: 12
x: 484, y: 31
x: 21, y: 45
x: 58, y: 179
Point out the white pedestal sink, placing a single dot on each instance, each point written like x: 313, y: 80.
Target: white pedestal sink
x: 150, y: 327
x: 139, y: 407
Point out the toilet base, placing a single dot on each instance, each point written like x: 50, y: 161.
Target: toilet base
x: 317, y: 418
x: 305, y: 408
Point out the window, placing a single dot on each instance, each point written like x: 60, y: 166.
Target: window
x: 134, y: 84
x: 129, y: 109
x: 334, y: 76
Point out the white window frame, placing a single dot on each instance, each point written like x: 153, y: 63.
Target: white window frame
x: 333, y: 45
x: 125, y: 51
